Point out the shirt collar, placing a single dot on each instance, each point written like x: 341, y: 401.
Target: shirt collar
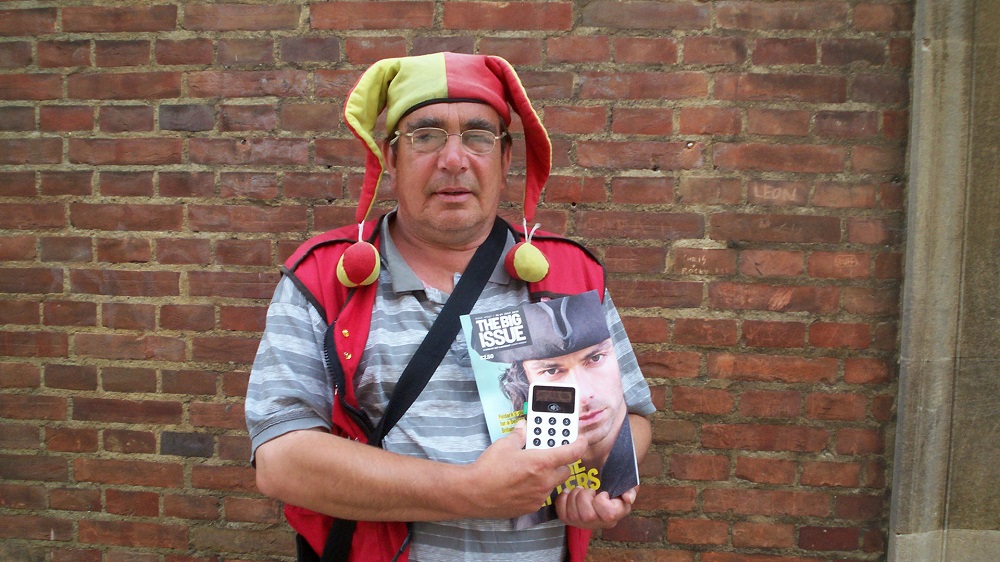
x: 402, y: 277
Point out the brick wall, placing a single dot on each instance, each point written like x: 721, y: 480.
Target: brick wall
x: 737, y: 164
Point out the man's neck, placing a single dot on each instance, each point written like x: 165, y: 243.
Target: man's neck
x: 435, y: 263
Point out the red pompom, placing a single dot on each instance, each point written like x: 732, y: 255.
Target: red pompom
x: 359, y: 265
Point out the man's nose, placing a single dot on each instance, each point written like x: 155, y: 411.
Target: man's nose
x: 453, y: 155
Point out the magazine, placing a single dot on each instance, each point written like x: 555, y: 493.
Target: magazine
x: 556, y: 342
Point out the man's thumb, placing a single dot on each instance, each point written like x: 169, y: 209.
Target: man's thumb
x: 516, y: 435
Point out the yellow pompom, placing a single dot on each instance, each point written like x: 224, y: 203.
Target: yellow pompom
x: 526, y: 262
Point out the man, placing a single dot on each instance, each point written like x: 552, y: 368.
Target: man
x: 446, y: 155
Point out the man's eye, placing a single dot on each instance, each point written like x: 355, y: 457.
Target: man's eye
x: 598, y: 357
x: 426, y: 137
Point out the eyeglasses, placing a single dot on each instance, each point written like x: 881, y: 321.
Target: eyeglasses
x: 433, y: 139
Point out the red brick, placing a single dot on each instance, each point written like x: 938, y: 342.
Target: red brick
x: 309, y: 117
x: 858, y: 507
x: 223, y: 478
x: 242, y: 318
x: 235, y: 384
x: 28, y: 22
x: 125, y: 283
x: 249, y: 151
x: 19, y: 375
x: 246, y: 84
x: 34, y: 344
x: 836, y: 407
x: 23, y: 313
x: 767, y: 502
x: 186, y: 184
x: 840, y: 335
x: 69, y: 313
x: 763, y: 535
x: 652, y: 155
x: 579, y: 49
x: 640, y: 191
x: 254, y: 542
x: 831, y: 474
x: 239, y: 185
x: 645, y: 50
x: 129, y: 250
x: 598, y: 553
x: 871, y: 301
x: 705, y: 332
x: 71, y: 377
x: 187, y: 317
x: 133, y: 503
x: 892, y: 89
x: 697, y: 531
x: 777, y: 193
x: 878, y: 159
x: 33, y: 407
x: 131, y: 151
x: 697, y: 261
x: 381, y: 15
x: 310, y: 49
x: 128, y: 379
x: 828, y: 538
x: 699, y: 467
x: 122, y: 53
x: 775, y: 228
x: 708, y: 190
x: 244, y: 218
x: 226, y: 416
x: 765, y: 471
x: 114, y: 19
x: 134, y: 534
x: 22, y: 497
x: 335, y: 83
x: 20, y: 436
x: 75, y: 499
x: 31, y: 280
x: 847, y: 51
x: 859, y: 442
x: 642, y: 121
x: 17, y: 184
x: 883, y: 17
x: 839, y: 265
x: 22, y: 526
x: 516, y: 50
x: 646, y: 329
x: 670, y: 498
x: 873, y: 231
x: 646, y: 15
x: 128, y: 441
x: 710, y: 121
x: 138, y: 347
x: 66, y: 118
x: 66, y: 183
x: 35, y: 467
x: 670, y: 294
x: 640, y: 225
x: 634, y: 260
x: 763, y: 333
x: 56, y: 54
x: 179, y: 251
x: 844, y: 196
x: 253, y: 510
x: 30, y: 151
x: 779, y: 51
x: 636, y: 529
x: 126, y: 411
x: 314, y: 186
x: 643, y: 85
x: 770, y: 368
x: 232, y: 284
x: 184, y: 51
x: 245, y: 52
x: 130, y: 473
x: 784, y: 122
x: 224, y: 349
x: 780, y: 158
x: 860, y: 370
x: 240, y: 17
x: 127, y: 184
x: 674, y: 431
x: 763, y: 297
x: 15, y: 54
x: 764, y: 437
x: 191, y: 506
x: 189, y: 382
x: 711, y: 49
x: 782, y: 15
x: 781, y: 87
x: 114, y: 119
x: 124, y: 86
x: 575, y: 189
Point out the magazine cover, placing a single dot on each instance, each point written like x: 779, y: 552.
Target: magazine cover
x: 556, y: 342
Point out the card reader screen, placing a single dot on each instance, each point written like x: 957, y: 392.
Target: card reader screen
x: 553, y: 399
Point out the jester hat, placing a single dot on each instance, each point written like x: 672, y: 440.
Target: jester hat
x: 402, y: 85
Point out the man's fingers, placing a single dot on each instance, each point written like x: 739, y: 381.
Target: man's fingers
x: 569, y: 454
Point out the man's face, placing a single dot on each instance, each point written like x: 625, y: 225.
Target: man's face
x: 594, y: 370
x: 450, y: 196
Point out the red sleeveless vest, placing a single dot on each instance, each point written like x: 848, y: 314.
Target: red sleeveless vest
x: 312, y: 268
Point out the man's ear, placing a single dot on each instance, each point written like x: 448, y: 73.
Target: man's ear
x: 389, y: 154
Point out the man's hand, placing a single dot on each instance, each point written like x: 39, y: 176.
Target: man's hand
x: 587, y: 509
x: 512, y: 481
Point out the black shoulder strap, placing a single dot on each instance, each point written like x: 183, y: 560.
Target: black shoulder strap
x: 425, y: 361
